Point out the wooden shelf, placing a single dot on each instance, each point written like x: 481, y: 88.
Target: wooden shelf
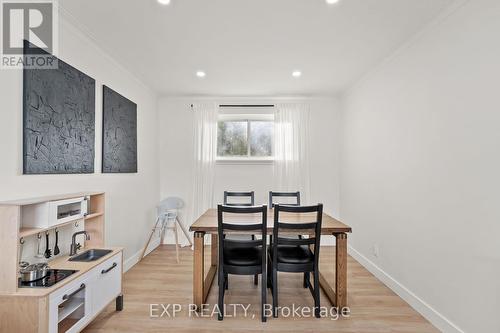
x: 32, y: 201
x: 70, y: 307
x: 93, y: 215
x: 26, y: 232
x: 66, y: 324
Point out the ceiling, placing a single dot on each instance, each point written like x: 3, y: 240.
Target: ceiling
x: 251, y: 47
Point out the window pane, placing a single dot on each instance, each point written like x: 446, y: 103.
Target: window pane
x: 232, y: 138
x: 261, y: 138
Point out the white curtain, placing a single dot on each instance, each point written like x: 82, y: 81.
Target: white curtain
x: 291, y: 146
x: 205, y: 149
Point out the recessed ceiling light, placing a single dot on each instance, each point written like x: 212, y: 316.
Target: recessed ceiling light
x: 296, y: 73
x: 201, y: 74
x: 164, y: 2
x: 332, y: 2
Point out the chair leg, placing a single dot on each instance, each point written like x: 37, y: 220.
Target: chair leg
x: 306, y: 280
x: 150, y: 237
x: 269, y: 277
x: 163, y: 231
x: 226, y: 281
x: 263, y: 278
x: 256, y: 276
x: 269, y: 274
x: 176, y: 242
x: 220, y: 303
x: 316, y: 294
x: 183, y: 228
x: 275, y: 293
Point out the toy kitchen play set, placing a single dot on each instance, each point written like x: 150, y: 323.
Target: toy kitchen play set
x: 57, y: 275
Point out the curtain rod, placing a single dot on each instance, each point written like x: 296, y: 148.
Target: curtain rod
x: 246, y: 106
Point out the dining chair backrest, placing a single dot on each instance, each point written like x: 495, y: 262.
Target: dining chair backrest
x: 295, y: 195
x: 250, y: 195
x: 250, y: 224
x: 298, y: 224
x: 242, y: 256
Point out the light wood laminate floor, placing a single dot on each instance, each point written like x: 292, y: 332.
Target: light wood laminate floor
x: 159, y: 279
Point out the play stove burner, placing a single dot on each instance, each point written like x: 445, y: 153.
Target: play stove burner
x: 54, y: 276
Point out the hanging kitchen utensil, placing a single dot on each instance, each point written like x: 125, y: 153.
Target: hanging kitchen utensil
x: 56, y: 247
x: 22, y: 264
x: 38, y: 253
x: 48, y: 252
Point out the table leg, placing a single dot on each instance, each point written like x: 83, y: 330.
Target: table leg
x: 199, y: 269
x: 341, y: 270
x: 215, y: 249
x: 212, y: 272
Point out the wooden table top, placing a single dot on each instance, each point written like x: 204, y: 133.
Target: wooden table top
x: 208, y: 221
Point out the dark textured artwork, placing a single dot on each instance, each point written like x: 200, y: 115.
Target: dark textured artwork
x: 59, y: 121
x: 119, y: 138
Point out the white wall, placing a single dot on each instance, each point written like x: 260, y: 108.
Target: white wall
x: 176, y: 160
x: 130, y: 198
x: 420, y: 163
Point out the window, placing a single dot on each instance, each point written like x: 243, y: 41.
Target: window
x: 245, y: 137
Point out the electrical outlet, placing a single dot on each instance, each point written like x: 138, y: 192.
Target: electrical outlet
x: 375, y: 250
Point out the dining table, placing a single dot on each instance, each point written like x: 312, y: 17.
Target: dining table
x: 207, y: 224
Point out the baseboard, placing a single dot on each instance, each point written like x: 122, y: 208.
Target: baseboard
x: 134, y: 259
x: 429, y: 313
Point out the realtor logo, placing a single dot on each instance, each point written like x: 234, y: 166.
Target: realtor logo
x: 31, y: 21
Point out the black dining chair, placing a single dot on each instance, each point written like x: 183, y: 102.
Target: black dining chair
x: 242, y: 257
x: 295, y: 195
x: 294, y: 255
x: 250, y: 195
x: 272, y: 202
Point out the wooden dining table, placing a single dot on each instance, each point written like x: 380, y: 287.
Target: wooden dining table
x: 208, y: 224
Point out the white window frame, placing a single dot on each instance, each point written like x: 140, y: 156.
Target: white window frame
x: 248, y: 118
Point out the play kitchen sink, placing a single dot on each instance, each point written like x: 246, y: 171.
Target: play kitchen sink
x: 90, y: 255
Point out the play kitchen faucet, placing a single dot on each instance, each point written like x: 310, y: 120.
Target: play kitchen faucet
x: 75, y: 247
